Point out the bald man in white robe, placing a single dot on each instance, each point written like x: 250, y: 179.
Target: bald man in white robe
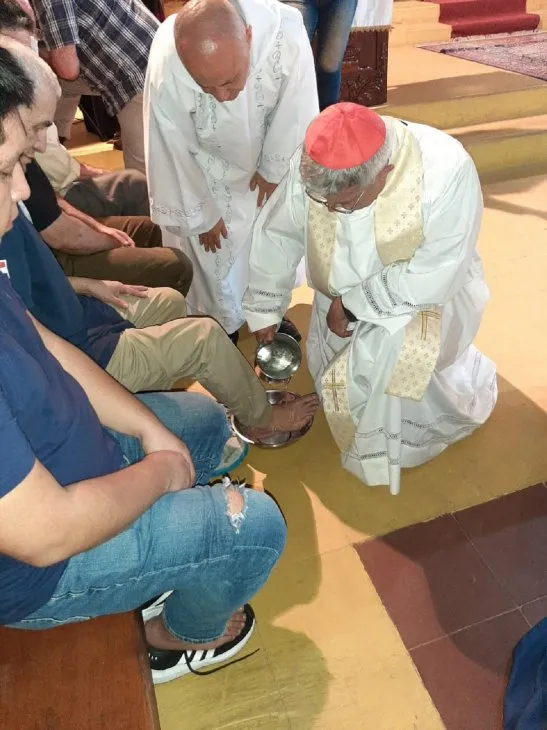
x: 230, y: 90
x: 389, y: 234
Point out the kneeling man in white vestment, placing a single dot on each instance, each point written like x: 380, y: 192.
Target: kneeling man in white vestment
x: 387, y: 214
x: 230, y: 90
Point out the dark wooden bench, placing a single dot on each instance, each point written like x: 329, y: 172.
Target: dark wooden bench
x: 87, y: 676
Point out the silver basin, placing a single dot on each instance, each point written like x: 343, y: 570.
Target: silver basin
x: 278, y: 361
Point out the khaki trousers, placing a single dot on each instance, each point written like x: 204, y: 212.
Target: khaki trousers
x: 167, y: 346
x: 149, y: 263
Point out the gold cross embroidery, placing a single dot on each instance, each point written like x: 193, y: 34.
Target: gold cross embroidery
x: 333, y: 387
x: 425, y: 317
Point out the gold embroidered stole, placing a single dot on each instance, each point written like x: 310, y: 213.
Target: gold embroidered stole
x: 320, y: 244
x: 399, y: 232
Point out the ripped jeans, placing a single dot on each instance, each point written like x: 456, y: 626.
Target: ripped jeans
x: 212, y: 557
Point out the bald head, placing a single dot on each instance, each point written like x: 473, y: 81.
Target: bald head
x: 213, y: 41
x: 45, y: 88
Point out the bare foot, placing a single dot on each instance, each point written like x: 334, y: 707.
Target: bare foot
x: 291, y: 415
x: 158, y: 636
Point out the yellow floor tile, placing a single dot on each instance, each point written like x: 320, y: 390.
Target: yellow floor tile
x: 240, y: 697
x: 339, y: 654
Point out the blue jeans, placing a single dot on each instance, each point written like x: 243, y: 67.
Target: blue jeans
x: 329, y: 21
x: 186, y: 542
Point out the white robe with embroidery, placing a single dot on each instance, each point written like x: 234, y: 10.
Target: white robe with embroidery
x: 445, y: 270
x: 373, y: 14
x: 202, y: 154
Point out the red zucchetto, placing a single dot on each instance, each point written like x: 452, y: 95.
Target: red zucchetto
x: 344, y: 135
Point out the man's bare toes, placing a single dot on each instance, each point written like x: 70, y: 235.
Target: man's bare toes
x: 309, y: 403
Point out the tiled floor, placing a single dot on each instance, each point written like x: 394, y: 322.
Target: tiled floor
x: 461, y: 590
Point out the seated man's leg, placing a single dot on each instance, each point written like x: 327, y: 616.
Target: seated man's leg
x: 140, y: 228
x: 148, y: 264
x: 156, y: 357
x: 195, y: 419
x: 214, y: 547
x: 124, y: 193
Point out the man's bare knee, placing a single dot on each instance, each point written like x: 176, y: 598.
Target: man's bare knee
x: 236, y: 505
x: 236, y: 502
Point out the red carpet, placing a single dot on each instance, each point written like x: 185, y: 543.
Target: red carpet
x: 483, y: 17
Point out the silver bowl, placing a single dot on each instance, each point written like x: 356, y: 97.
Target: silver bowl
x: 276, y: 439
x: 277, y: 361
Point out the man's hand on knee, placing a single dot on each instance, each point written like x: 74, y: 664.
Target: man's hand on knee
x: 160, y: 439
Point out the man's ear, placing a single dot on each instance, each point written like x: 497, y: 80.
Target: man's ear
x: 249, y: 34
x: 382, y: 175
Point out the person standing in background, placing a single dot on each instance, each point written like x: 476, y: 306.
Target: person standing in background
x: 102, y: 48
x: 328, y: 23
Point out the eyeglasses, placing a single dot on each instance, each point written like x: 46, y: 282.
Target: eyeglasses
x: 336, y: 208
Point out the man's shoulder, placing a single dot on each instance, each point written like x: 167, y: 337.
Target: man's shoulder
x: 445, y: 160
x: 163, y: 61
x: 291, y: 25
x: 438, y: 147
x: 291, y: 18
x: 163, y: 46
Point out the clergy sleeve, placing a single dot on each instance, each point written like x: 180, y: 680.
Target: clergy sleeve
x: 295, y: 109
x: 276, y: 251
x: 438, y: 269
x: 179, y: 195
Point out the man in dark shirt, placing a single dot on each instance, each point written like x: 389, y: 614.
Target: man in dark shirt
x: 104, y: 250
x: 75, y: 444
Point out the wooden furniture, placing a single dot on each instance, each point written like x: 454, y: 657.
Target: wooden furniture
x: 92, y: 675
x: 364, y: 71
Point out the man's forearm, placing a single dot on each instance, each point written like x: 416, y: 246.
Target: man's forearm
x: 73, y: 212
x: 98, y: 509
x: 115, y: 406
x: 81, y: 285
x: 71, y: 235
x: 62, y: 522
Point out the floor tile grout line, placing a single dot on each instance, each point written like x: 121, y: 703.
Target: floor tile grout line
x: 465, y: 628
x: 534, y: 600
x: 524, y: 617
x: 483, y: 560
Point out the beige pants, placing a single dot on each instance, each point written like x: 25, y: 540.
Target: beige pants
x: 130, y: 120
x: 167, y: 346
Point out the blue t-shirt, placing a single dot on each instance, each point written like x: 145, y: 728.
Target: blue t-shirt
x: 44, y: 415
x: 36, y: 276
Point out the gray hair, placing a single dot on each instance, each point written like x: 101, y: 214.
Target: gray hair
x: 323, y: 182
x: 37, y: 71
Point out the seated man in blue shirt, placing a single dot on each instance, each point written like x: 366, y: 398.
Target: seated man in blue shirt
x: 97, y: 513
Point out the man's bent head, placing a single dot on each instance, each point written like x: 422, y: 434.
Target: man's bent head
x: 214, y: 43
x: 345, y: 158
x: 38, y: 116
